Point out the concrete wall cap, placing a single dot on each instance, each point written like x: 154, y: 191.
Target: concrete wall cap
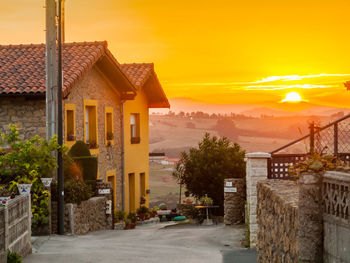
x: 258, y: 155
x: 339, y: 176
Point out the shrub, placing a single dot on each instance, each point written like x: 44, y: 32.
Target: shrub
x: 132, y: 217
x: 13, y: 257
x: 79, y: 149
x: 205, y: 200
x: 75, y: 191
x: 81, y: 155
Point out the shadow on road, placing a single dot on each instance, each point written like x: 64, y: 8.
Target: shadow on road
x: 239, y: 256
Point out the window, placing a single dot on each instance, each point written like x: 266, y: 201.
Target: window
x: 135, y: 128
x: 90, y: 124
x: 69, y: 124
x: 109, y: 135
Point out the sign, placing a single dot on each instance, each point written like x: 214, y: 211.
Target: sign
x: 230, y: 190
x: 104, y: 191
x: 228, y: 183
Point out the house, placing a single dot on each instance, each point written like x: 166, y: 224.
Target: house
x: 103, y: 104
x: 136, y: 124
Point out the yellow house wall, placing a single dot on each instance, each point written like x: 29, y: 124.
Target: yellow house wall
x: 136, y: 155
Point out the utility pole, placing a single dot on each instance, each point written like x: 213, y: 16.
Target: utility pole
x: 60, y: 177
x: 51, y: 69
x: 54, y: 116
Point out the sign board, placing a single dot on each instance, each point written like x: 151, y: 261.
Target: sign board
x: 230, y: 190
x: 228, y: 183
x: 104, y: 191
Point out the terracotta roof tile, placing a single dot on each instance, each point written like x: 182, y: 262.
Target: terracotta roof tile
x: 22, y: 67
x: 138, y: 73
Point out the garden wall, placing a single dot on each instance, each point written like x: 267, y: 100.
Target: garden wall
x: 277, y: 217
x: 80, y: 219
x: 15, y: 227
x: 235, y: 195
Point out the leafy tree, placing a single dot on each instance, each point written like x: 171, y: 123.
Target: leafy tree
x: 202, y: 170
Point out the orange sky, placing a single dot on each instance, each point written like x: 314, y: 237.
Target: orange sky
x: 212, y: 51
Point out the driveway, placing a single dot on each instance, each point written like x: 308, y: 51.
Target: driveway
x: 156, y: 243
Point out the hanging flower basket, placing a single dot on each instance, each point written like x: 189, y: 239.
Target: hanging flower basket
x: 46, y: 181
x: 24, y: 189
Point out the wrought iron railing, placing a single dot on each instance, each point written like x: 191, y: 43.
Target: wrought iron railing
x: 332, y: 139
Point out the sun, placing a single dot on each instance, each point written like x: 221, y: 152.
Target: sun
x: 292, y: 97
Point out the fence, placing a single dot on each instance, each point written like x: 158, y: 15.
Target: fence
x: 15, y: 227
x: 332, y: 139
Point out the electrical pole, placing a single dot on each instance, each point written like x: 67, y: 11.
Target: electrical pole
x: 51, y: 69
x: 54, y: 116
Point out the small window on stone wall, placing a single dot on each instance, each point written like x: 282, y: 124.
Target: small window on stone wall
x: 109, y: 135
x: 70, y: 124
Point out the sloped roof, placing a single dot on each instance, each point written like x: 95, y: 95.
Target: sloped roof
x: 22, y: 67
x: 143, y: 76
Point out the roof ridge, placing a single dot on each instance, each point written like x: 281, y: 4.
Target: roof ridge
x: 104, y: 42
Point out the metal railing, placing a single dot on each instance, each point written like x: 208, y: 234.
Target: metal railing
x: 331, y: 139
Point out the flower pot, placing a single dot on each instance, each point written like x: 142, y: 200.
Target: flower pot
x: 24, y: 189
x: 46, y: 181
x: 4, y: 200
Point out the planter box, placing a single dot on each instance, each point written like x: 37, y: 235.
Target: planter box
x: 24, y: 188
x: 4, y: 200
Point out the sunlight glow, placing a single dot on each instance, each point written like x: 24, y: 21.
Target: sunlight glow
x: 292, y: 97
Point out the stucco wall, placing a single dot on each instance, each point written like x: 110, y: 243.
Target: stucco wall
x: 136, y: 155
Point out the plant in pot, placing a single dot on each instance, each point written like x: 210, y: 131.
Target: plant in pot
x: 92, y: 144
x: 154, y: 211
x: 71, y: 136
x: 143, y: 213
x: 5, y: 195
x: 119, y: 216
x: 131, y: 220
x: 206, y: 201
x: 24, y: 184
x: 187, y: 201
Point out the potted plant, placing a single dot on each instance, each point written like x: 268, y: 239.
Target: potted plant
x: 154, y: 211
x: 5, y: 196
x: 92, y: 144
x: 24, y: 184
x: 71, y: 136
x: 187, y: 201
x: 110, y: 136
x: 130, y: 222
x: 143, y: 213
x: 206, y: 201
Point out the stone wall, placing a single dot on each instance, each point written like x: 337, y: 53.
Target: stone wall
x: 234, y: 201
x: 277, y: 216
x: 27, y: 114
x: 15, y: 227
x: 256, y: 170
x: 89, y: 215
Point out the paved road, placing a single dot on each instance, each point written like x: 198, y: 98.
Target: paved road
x: 146, y: 244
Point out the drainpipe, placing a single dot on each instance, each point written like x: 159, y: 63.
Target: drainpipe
x: 123, y: 157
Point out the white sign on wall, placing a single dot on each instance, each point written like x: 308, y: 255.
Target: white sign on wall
x: 230, y: 190
x: 104, y: 191
x: 228, y: 183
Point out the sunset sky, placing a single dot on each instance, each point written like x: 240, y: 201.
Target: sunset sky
x: 251, y: 51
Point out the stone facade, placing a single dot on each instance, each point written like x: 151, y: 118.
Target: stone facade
x: 27, y: 114
x: 256, y: 170
x: 277, y: 216
x: 234, y: 201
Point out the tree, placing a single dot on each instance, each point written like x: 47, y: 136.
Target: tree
x: 202, y: 170
x: 227, y: 128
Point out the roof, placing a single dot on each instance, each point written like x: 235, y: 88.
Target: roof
x: 143, y: 76
x: 23, y: 67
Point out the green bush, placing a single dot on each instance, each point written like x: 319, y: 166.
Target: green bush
x: 132, y: 217
x: 142, y: 210
x: 13, y: 257
x: 89, y: 165
x: 75, y: 191
x: 79, y: 149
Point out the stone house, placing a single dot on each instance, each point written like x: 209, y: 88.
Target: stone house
x: 96, y: 90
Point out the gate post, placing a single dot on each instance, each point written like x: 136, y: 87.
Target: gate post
x: 256, y: 170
